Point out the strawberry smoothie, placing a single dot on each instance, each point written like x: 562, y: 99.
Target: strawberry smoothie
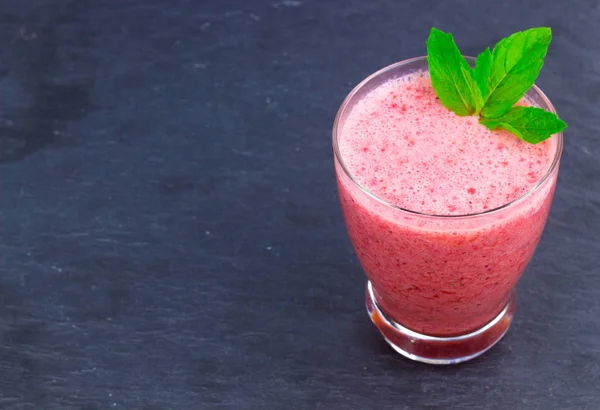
x: 424, y: 193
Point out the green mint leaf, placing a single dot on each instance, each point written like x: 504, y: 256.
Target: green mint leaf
x: 516, y: 63
x: 530, y: 124
x: 451, y: 75
x: 474, y: 91
x: 481, y: 73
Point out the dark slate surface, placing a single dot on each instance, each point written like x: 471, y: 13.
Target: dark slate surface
x: 170, y: 231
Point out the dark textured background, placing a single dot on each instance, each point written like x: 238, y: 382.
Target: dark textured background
x: 170, y: 231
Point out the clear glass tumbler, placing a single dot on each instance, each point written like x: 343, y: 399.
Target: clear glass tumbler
x: 441, y: 289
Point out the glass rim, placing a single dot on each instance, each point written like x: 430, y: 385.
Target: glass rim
x: 545, y: 100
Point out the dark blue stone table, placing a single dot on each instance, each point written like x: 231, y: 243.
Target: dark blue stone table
x: 170, y: 234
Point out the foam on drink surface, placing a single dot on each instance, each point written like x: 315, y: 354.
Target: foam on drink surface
x: 401, y: 144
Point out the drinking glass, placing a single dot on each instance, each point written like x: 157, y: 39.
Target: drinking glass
x: 441, y: 289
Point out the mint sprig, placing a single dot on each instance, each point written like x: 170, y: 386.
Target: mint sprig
x: 500, y: 78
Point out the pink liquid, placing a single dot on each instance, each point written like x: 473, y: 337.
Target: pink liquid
x: 439, y: 276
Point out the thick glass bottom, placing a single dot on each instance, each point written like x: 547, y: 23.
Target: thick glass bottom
x: 440, y: 350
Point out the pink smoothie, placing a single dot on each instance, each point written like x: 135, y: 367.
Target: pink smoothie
x: 436, y: 275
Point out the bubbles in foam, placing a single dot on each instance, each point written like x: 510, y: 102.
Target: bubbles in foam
x: 405, y: 147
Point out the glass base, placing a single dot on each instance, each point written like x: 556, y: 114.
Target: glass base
x: 440, y: 350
